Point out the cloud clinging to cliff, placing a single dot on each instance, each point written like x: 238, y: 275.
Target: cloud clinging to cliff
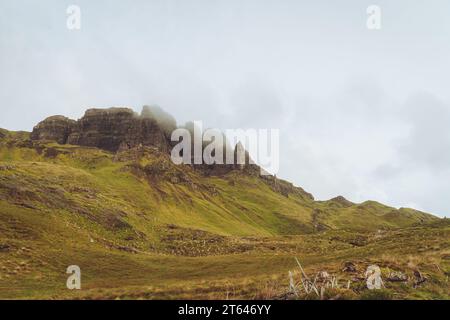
x: 361, y: 113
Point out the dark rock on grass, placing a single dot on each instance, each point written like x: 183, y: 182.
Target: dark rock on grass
x: 26, y: 205
x: 358, y: 241
x: 316, y: 216
x: 419, y: 278
x: 397, y: 276
x: 5, y: 247
x: 349, y: 267
x: 54, y: 152
x: 6, y: 167
x: 115, y: 222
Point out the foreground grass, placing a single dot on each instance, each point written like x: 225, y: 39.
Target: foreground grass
x: 112, y: 274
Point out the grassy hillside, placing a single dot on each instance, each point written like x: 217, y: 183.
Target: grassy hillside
x: 141, y: 227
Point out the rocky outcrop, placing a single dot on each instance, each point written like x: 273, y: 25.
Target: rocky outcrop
x: 241, y: 162
x: 341, y: 202
x: 117, y: 128
x: 109, y: 129
x: 121, y: 129
x: 285, y: 188
x: 55, y: 128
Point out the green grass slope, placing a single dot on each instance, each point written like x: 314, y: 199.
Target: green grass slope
x: 135, y: 217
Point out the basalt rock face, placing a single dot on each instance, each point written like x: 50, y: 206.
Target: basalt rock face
x: 56, y: 128
x: 117, y: 128
x: 121, y: 129
x: 109, y: 129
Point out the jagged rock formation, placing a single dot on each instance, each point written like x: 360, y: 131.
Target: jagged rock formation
x: 121, y: 129
x: 109, y: 129
x: 56, y: 128
x: 116, y: 129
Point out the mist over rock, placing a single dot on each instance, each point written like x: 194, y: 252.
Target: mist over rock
x: 165, y: 120
x: 109, y: 129
x: 119, y: 129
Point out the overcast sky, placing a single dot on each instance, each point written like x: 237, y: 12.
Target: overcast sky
x: 362, y: 113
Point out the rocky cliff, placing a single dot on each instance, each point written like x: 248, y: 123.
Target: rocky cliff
x: 116, y: 129
x: 121, y: 129
x: 109, y: 129
x: 56, y: 128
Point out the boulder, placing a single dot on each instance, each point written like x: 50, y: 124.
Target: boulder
x: 349, y: 267
x: 419, y: 278
x: 4, y: 247
x: 397, y: 276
